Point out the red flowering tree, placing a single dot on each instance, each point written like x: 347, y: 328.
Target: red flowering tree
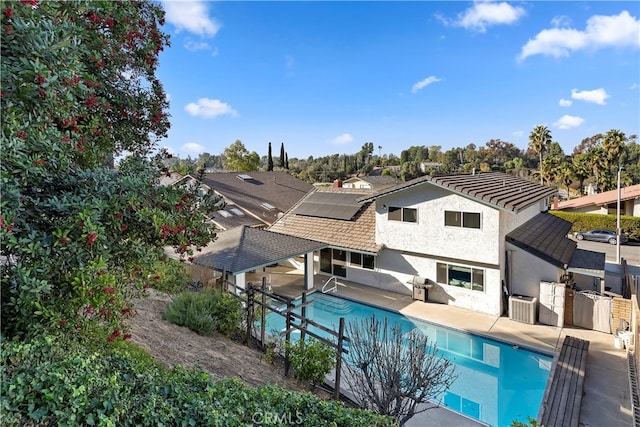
x: 78, y: 236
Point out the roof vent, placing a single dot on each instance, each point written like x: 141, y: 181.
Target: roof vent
x: 244, y: 177
x: 237, y: 211
x: 268, y: 206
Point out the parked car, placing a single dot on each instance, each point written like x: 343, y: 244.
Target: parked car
x: 601, y: 236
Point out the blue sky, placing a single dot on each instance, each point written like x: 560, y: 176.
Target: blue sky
x: 326, y: 77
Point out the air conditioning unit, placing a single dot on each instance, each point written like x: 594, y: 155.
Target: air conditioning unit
x: 523, y: 309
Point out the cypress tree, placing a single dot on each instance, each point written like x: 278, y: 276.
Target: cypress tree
x: 270, y: 160
x: 286, y: 160
x: 282, y: 161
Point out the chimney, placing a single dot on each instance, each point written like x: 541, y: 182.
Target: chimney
x: 555, y: 202
x: 337, y: 183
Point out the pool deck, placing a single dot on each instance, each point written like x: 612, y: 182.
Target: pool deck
x: 606, y: 400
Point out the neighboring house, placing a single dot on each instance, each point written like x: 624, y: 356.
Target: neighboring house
x: 475, y: 238
x: 606, y: 203
x: 170, y: 178
x: 370, y: 182
x: 253, y: 199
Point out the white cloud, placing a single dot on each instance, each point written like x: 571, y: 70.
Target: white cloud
x: 601, y: 31
x: 568, y: 122
x: 192, y: 147
x: 565, y: 102
x: 518, y: 133
x: 596, y: 96
x: 345, y: 138
x: 634, y: 86
x: 191, y: 16
x: 484, y: 14
x: 560, y: 21
x: 193, y: 46
x: 207, y: 108
x: 424, y: 83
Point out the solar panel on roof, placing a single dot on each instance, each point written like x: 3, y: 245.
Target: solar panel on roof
x: 341, y: 206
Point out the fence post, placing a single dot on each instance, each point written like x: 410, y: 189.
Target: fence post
x: 263, y: 311
x: 336, y: 390
x: 303, y: 313
x: 249, y: 313
x: 287, y: 363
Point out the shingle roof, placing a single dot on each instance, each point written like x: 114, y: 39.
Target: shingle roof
x: 244, y: 249
x: 605, y: 198
x: 278, y: 189
x: 357, y: 234
x: 545, y: 236
x: 497, y: 189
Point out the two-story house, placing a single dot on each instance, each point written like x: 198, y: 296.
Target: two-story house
x: 472, y: 237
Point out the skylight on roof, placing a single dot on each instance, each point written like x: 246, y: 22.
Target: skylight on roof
x: 268, y: 206
x: 244, y: 177
x: 237, y: 211
x: 224, y: 213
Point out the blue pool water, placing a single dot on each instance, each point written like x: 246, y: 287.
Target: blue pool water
x: 497, y: 382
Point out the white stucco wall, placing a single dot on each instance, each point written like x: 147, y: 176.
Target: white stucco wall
x: 527, y: 271
x: 429, y: 235
x: 396, y: 269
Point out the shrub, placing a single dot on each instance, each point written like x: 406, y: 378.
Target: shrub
x: 630, y: 225
x: 55, y: 381
x: 173, y: 276
x: 205, y: 312
x: 311, y: 359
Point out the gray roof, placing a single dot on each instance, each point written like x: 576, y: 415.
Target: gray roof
x: 588, y: 263
x: 496, y: 189
x: 278, y: 189
x: 244, y: 249
x: 545, y: 236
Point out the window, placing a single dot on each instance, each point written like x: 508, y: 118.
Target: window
x: 395, y: 213
x: 462, y: 219
x: 362, y: 260
x: 460, y: 276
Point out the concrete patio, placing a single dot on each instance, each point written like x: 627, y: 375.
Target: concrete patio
x: 606, y: 400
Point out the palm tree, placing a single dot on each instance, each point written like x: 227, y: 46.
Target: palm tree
x: 612, y: 145
x: 539, y: 143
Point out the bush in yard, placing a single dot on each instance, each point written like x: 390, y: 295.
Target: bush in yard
x: 311, y: 359
x: 205, y: 312
x: 55, y: 381
x: 79, y: 237
x: 173, y: 275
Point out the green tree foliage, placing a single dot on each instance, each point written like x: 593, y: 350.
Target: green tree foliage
x: 282, y: 155
x: 539, y: 143
x: 238, y: 159
x: 269, y: 159
x: 612, y: 147
x: 78, y: 238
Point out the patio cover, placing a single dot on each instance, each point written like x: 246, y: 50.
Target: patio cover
x: 243, y: 249
x: 588, y: 263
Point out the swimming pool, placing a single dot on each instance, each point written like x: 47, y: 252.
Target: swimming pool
x: 497, y: 382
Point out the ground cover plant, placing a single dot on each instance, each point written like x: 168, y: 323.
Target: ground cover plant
x: 56, y: 381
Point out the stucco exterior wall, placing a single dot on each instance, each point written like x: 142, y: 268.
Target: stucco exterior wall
x: 396, y: 269
x: 429, y: 235
x: 527, y: 271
